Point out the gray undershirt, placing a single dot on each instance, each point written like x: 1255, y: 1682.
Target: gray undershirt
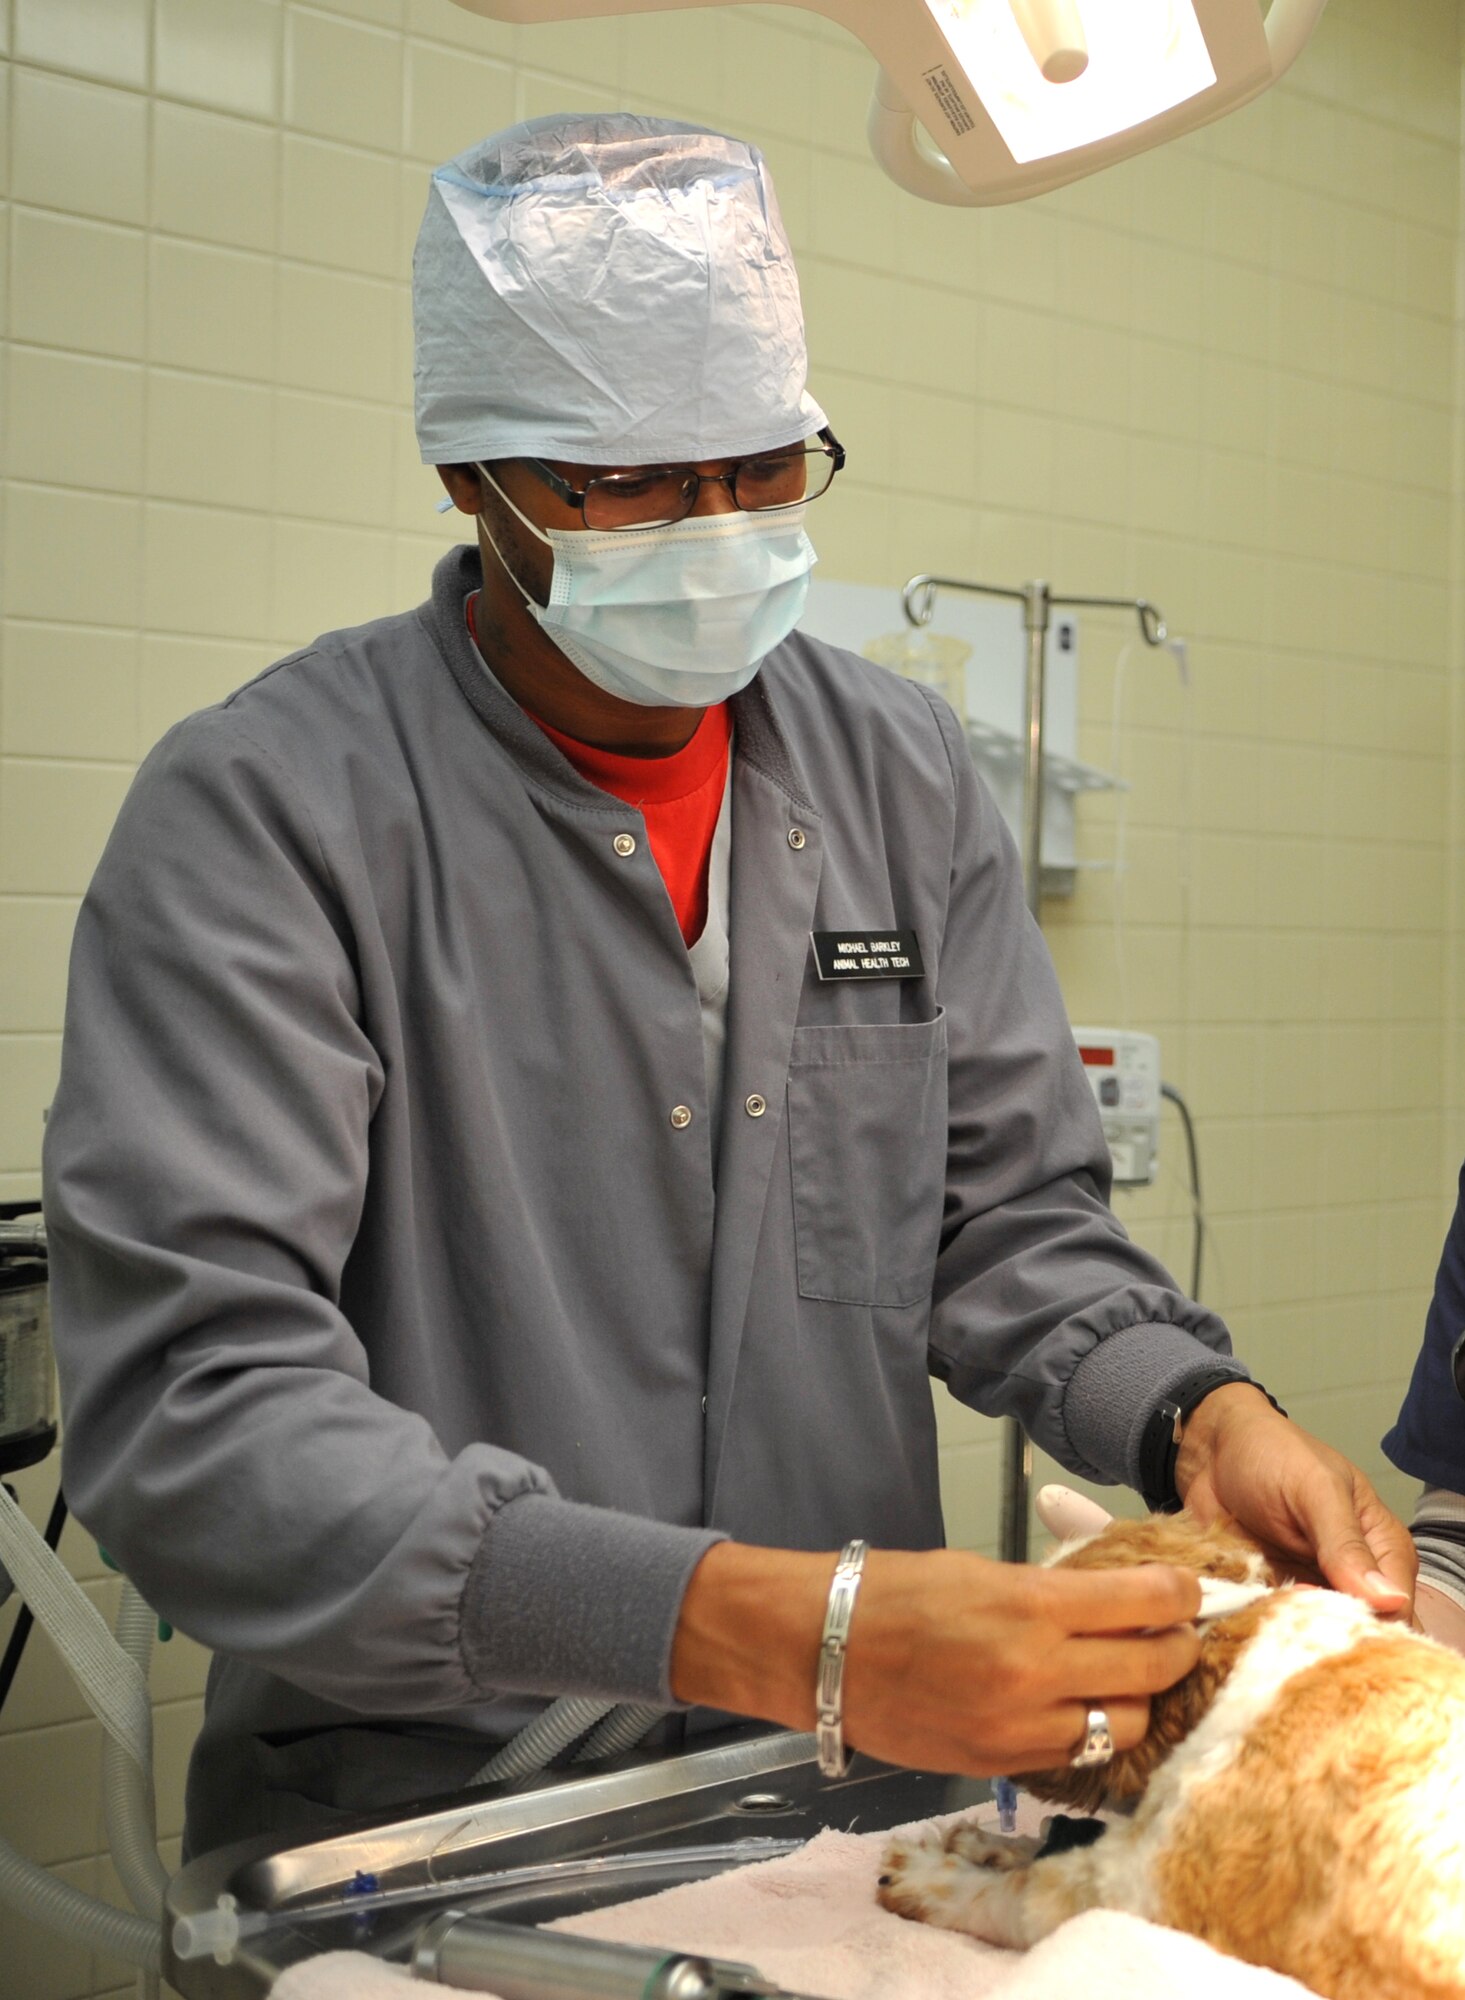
x: 1438, y: 1529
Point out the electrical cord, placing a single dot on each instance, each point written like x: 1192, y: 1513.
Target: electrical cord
x: 1168, y: 1091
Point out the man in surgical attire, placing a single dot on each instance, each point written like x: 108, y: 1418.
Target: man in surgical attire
x: 494, y: 1257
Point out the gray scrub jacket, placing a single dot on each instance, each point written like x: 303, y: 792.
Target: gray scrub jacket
x: 412, y: 1352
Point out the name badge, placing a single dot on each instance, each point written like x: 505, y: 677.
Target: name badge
x: 867, y: 954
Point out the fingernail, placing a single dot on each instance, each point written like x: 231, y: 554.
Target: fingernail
x: 1379, y: 1584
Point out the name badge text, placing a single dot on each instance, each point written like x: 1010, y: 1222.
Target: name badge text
x: 867, y: 954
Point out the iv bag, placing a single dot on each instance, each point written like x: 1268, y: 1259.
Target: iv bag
x: 935, y: 658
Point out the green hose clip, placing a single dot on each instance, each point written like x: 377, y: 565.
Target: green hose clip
x: 165, y: 1630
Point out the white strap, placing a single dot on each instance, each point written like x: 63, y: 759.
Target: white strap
x: 114, y: 1688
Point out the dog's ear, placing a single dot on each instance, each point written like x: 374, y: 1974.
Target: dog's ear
x: 1211, y: 1550
x: 1173, y: 1714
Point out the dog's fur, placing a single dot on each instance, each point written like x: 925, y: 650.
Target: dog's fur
x: 1301, y: 1798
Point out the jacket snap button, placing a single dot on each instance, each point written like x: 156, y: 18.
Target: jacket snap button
x: 681, y: 1117
x: 624, y: 844
x: 796, y: 838
x: 756, y: 1105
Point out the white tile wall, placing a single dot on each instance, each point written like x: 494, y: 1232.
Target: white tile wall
x: 222, y: 53
x: 1225, y: 376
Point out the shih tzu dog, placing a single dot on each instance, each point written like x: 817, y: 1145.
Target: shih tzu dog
x: 1301, y: 1797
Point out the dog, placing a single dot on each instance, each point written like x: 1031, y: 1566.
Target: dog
x: 1301, y: 1797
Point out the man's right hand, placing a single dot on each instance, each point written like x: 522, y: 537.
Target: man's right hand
x: 955, y: 1664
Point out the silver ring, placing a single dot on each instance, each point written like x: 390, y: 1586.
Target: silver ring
x: 1097, y: 1746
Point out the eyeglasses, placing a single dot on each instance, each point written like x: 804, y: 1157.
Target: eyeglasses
x: 657, y: 496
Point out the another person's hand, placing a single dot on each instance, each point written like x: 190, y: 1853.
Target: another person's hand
x: 954, y: 1664
x: 1312, y: 1510
x: 1440, y: 1616
x: 1069, y: 1516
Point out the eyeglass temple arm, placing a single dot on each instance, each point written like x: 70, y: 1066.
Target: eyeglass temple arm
x: 555, y: 481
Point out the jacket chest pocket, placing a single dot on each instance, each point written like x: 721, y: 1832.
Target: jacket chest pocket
x: 867, y: 1155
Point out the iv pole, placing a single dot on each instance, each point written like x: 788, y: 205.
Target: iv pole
x: 918, y: 600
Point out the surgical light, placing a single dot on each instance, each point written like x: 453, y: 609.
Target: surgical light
x: 1139, y: 59
x: 985, y: 101
x: 1054, y: 33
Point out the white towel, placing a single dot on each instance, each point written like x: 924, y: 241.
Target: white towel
x: 810, y: 1922
x: 345, y: 1975
x: 1107, y: 1956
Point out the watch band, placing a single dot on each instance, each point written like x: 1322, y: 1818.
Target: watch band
x: 1160, y: 1445
x: 829, y: 1688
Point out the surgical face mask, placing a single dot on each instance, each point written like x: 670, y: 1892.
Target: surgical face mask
x: 671, y: 617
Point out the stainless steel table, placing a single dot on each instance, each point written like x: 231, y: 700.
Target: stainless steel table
x: 548, y: 1847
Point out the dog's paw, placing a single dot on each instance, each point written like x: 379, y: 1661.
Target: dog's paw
x: 989, y: 1850
x: 935, y: 1881
x: 970, y: 1881
x: 916, y: 1878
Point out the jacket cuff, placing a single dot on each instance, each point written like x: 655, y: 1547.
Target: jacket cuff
x: 568, y: 1599
x: 1119, y: 1384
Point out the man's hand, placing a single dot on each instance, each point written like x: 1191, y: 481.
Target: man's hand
x: 1313, y: 1511
x: 954, y: 1664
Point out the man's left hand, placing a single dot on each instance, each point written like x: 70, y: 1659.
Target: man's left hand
x: 1311, y: 1509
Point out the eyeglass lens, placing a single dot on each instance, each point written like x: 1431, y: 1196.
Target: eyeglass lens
x: 652, y: 499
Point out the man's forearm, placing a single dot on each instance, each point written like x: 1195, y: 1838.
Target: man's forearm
x: 748, y: 1636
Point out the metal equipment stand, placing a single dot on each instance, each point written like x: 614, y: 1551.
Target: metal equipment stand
x: 918, y: 600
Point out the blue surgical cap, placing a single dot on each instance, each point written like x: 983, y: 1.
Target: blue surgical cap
x: 608, y: 289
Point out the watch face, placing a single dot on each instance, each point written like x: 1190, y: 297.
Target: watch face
x: 1457, y: 1367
